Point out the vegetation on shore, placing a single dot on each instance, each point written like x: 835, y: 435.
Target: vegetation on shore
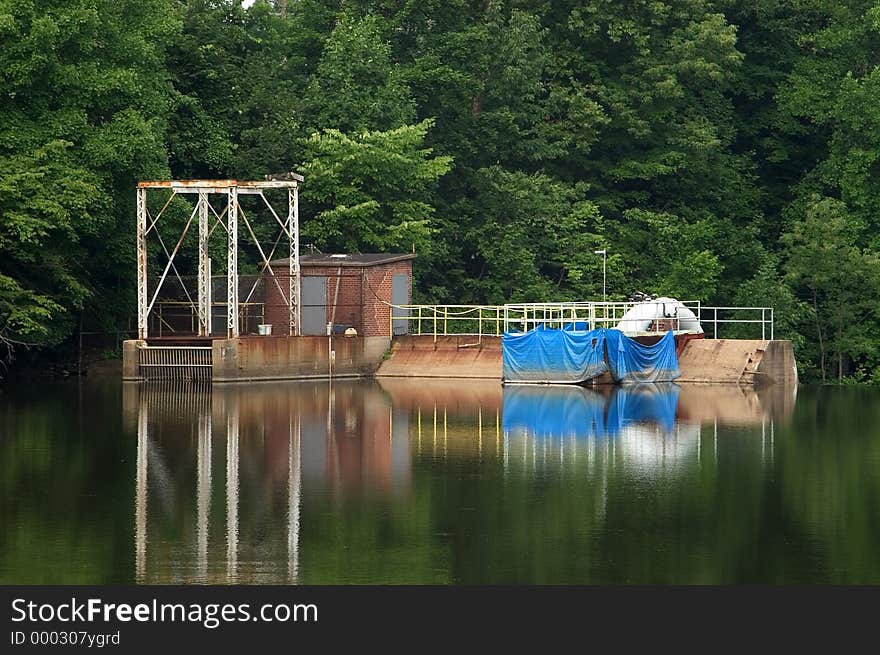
x: 723, y: 150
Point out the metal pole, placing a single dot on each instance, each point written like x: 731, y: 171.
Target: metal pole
x: 604, y: 258
x: 204, y: 281
x: 232, y: 265
x: 293, y: 270
x: 142, y: 262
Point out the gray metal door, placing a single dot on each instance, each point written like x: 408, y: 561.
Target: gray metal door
x: 314, y: 307
x: 400, y: 296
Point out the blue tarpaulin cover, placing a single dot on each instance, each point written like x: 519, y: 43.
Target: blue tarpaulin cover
x: 551, y: 412
x: 559, y: 356
x: 573, y: 356
x: 631, y: 362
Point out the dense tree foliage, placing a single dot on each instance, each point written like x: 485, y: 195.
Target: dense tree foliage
x: 723, y: 150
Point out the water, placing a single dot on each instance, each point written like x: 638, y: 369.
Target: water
x: 437, y: 482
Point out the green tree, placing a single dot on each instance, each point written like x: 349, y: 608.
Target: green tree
x: 840, y: 278
x: 367, y: 192
x: 84, y: 99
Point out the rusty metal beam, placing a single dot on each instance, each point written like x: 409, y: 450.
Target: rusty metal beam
x: 204, y: 281
x: 220, y: 186
x: 142, y: 262
x: 232, y: 264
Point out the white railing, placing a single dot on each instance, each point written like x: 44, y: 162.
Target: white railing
x: 711, y: 317
x: 526, y: 316
x: 494, y: 320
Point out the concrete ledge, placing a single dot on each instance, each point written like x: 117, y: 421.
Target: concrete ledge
x: 738, y: 361
x: 292, y: 358
x: 460, y: 356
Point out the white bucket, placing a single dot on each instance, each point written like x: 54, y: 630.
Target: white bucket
x: 264, y: 329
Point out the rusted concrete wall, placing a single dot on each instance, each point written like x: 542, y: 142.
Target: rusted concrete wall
x: 464, y: 356
x: 288, y: 358
x: 738, y: 361
x: 735, y: 361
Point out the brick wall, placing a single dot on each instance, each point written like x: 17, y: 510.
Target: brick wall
x: 360, y: 301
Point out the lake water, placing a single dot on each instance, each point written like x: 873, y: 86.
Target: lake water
x: 430, y: 481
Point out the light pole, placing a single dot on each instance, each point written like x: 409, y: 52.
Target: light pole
x: 604, y: 253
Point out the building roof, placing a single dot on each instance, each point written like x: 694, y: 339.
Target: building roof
x: 355, y: 260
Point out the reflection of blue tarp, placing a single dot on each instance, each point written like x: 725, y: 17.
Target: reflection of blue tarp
x: 572, y: 356
x: 559, y: 411
x: 630, y: 361
x: 546, y: 355
x: 564, y: 411
x: 643, y: 403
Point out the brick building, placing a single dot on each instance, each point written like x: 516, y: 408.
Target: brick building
x: 345, y: 290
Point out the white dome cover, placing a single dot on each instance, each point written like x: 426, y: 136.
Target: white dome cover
x: 640, y: 317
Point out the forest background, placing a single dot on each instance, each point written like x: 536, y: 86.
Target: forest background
x: 724, y: 151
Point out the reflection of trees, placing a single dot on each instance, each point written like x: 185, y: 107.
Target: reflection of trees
x: 829, y: 458
x: 65, y: 486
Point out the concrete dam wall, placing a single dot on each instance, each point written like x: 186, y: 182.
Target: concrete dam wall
x: 732, y: 361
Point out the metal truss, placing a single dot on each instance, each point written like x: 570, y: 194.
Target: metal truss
x: 232, y: 190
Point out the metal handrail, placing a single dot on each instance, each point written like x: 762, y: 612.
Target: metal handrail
x: 435, y: 320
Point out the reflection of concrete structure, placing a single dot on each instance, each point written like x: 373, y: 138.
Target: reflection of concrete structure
x: 735, y: 405
x: 253, y: 455
x: 461, y: 418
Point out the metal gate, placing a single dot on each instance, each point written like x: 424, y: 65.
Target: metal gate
x: 314, y: 308
x: 176, y: 362
x: 400, y: 296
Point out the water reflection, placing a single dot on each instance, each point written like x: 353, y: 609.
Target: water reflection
x: 262, y: 483
x: 244, y: 455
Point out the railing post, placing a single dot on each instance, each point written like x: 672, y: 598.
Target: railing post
x: 445, y: 320
x: 435, y: 323
x: 763, y: 336
x: 420, y: 321
x: 772, y: 324
x: 480, y: 323
x: 715, y: 332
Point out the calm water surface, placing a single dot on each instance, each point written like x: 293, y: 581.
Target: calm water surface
x: 437, y: 482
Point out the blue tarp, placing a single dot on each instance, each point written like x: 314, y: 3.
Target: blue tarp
x: 557, y: 411
x: 631, y: 362
x: 558, y: 356
x: 643, y: 403
x: 572, y: 356
x: 550, y: 412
